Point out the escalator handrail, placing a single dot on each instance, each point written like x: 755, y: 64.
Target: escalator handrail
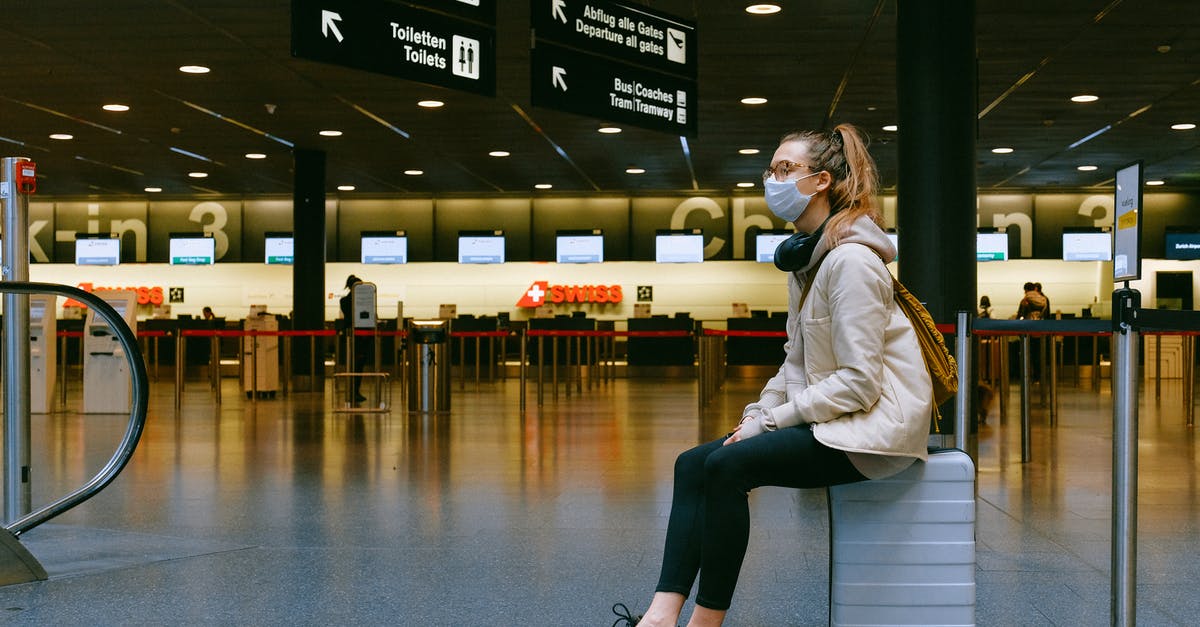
x: 137, y: 413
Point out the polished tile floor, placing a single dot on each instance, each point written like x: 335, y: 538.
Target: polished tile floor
x: 282, y: 512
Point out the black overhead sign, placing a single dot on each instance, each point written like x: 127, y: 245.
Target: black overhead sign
x: 582, y: 83
x: 615, y: 61
x: 397, y: 40
x: 621, y: 31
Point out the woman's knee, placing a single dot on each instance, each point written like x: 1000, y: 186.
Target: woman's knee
x: 690, y: 463
x: 724, y: 467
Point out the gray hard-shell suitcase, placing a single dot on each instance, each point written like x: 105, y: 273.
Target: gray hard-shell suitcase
x: 902, y: 549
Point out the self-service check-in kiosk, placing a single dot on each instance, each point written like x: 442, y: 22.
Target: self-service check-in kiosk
x: 260, y: 354
x: 43, y: 343
x: 106, y: 376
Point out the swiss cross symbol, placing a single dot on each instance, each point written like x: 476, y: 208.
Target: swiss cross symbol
x: 535, y: 296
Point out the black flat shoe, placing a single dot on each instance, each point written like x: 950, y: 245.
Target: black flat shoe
x: 625, y: 618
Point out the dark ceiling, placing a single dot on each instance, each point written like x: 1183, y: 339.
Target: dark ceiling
x: 63, y: 59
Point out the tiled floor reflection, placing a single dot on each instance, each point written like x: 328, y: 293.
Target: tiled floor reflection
x: 283, y: 512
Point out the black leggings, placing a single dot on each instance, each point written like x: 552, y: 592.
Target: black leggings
x: 710, y: 516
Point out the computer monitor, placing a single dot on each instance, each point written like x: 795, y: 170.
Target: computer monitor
x: 95, y: 249
x: 673, y: 246
x: 481, y: 246
x: 991, y: 246
x: 1182, y: 242
x: 765, y: 243
x: 279, y: 248
x: 192, y: 249
x: 384, y: 247
x: 585, y: 246
x: 1086, y: 244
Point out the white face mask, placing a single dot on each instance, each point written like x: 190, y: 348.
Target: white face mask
x: 784, y: 198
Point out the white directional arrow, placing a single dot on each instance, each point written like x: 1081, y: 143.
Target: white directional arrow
x: 329, y: 21
x: 559, y: 78
x: 556, y: 10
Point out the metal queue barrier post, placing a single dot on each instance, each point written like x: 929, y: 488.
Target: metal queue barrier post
x: 962, y: 400
x: 1124, y: 463
x: 1025, y: 367
x: 522, y: 366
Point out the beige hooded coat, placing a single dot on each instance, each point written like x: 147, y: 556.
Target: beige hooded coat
x: 853, y: 368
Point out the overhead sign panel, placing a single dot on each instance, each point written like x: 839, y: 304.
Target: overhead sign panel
x: 581, y: 83
x: 621, y: 31
x: 398, y: 41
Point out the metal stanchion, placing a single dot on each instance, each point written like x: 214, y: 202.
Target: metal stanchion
x: 554, y: 365
x: 962, y: 400
x: 287, y: 363
x: 179, y: 362
x: 214, y: 368
x: 541, y: 364
x: 1157, y: 366
x: 1053, y: 378
x: 1025, y: 359
x: 1189, y: 381
x: 1003, y: 343
x: 1124, y: 466
x: 62, y: 370
x: 521, y: 370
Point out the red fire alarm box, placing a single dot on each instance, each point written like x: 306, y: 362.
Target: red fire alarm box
x: 26, y: 177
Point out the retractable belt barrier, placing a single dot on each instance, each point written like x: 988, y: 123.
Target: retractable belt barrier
x: 215, y: 335
x: 478, y: 337
x: 601, y: 343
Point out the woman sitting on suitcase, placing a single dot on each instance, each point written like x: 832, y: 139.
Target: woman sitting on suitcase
x: 852, y: 400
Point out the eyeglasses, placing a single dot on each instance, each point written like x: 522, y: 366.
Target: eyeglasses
x: 782, y: 170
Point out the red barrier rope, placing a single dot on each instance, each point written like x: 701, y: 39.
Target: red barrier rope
x: 480, y: 334
x: 240, y: 333
x: 719, y: 332
x: 566, y: 333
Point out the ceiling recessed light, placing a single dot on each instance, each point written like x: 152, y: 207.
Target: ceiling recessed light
x: 115, y: 107
x: 193, y: 69
x: 198, y: 175
x: 62, y: 136
x: 1002, y: 151
x: 1183, y: 126
x: 748, y: 151
x: 255, y: 155
x: 543, y: 186
x: 153, y: 190
x: 745, y: 184
x: 498, y: 153
x: 330, y: 133
x: 754, y: 100
x: 635, y: 170
x: 763, y: 9
x: 430, y: 104
x: 1084, y: 98
x: 891, y: 128
x: 1155, y: 182
x: 1088, y: 168
x: 414, y: 172
x: 345, y: 188
x: 609, y: 130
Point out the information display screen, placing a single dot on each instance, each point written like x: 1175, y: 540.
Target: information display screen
x: 765, y: 243
x: 384, y: 247
x: 481, y: 247
x: 1087, y: 245
x: 192, y: 249
x: 279, y: 248
x: 579, y: 246
x: 991, y: 247
x: 1182, y: 243
x: 97, y: 251
x: 677, y: 247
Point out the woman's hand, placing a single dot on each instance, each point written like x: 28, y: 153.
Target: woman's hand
x: 751, y: 425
